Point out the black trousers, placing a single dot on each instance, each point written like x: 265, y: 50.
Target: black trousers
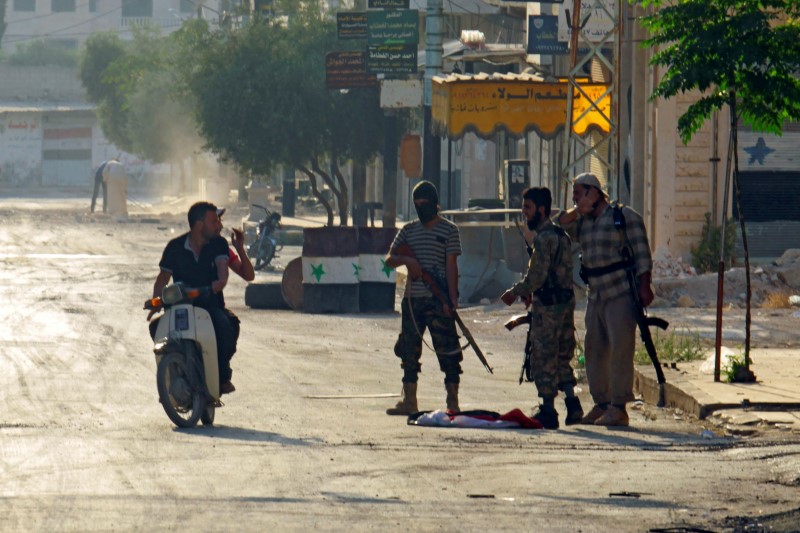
x: 97, y: 184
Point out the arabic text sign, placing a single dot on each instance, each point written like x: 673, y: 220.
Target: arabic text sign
x: 543, y: 36
x: 392, y: 59
x: 393, y: 27
x: 515, y: 106
x: 597, y: 26
x: 389, y: 4
x: 351, y: 25
x: 347, y: 70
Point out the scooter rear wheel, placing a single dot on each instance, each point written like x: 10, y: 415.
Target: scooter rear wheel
x: 182, y: 402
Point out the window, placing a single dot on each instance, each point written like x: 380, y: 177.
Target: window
x: 187, y: 6
x: 137, y: 8
x: 61, y: 6
x: 92, y: 6
x: 24, y: 5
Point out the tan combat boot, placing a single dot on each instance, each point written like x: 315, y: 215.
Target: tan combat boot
x: 452, y: 397
x: 408, y: 404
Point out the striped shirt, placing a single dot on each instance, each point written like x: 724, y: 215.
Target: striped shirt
x: 431, y: 246
x: 601, y: 243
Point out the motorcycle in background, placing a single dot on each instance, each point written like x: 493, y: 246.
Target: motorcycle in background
x: 263, y: 249
x: 187, y: 374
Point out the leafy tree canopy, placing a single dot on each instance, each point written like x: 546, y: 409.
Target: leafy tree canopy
x: 743, y: 49
x: 134, y: 84
x: 260, y: 94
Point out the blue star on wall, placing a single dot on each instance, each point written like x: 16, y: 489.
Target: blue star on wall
x: 758, y: 152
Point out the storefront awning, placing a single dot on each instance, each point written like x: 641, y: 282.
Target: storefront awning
x: 515, y: 103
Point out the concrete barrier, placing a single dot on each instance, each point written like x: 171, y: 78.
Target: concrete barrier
x: 330, y: 270
x: 265, y: 296
x: 377, y: 281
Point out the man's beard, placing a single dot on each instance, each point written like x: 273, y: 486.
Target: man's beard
x: 533, y: 224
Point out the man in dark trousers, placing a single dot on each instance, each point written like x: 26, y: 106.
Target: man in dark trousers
x: 436, y: 245
x: 200, y: 258
x: 98, y: 182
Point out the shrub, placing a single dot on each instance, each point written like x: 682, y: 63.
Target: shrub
x: 705, y: 256
x: 681, y: 344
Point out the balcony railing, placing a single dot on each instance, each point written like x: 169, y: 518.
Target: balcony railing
x: 163, y: 22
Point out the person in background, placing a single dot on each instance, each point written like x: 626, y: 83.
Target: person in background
x: 100, y: 182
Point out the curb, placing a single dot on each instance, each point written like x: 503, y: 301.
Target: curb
x: 678, y: 393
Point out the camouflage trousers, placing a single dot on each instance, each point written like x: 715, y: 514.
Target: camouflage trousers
x: 419, y: 315
x: 552, y: 345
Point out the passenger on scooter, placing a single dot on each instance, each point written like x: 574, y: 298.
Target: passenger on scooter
x: 238, y: 261
x: 200, y: 258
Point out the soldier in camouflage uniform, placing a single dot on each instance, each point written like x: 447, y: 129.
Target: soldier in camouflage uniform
x: 547, y: 289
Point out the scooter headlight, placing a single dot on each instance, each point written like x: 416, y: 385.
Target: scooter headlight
x: 172, y: 294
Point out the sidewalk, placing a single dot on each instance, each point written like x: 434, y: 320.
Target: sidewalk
x: 774, y: 399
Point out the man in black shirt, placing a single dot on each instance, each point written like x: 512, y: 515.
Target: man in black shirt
x: 199, y: 258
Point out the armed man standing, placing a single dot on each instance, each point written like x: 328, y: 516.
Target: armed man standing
x: 547, y: 288
x: 428, y: 247
x: 613, y: 240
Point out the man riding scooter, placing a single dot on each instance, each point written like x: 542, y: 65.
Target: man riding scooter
x: 200, y: 258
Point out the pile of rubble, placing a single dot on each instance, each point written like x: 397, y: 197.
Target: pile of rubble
x: 677, y: 284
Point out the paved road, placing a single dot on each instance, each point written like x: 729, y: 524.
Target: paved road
x: 303, y: 444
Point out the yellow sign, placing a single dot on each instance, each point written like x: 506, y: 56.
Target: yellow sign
x: 516, y: 106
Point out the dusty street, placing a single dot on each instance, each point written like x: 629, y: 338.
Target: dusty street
x: 304, y: 444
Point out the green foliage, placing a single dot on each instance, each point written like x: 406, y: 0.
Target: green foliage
x: 134, y: 85
x: 706, y: 253
x: 734, y: 369
x: 677, y: 345
x: 3, y: 4
x: 260, y: 97
x: 43, y: 53
x: 748, y: 50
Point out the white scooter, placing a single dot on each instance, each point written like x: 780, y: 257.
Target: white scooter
x: 186, y: 357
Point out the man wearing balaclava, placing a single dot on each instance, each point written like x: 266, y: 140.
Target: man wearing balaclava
x: 547, y: 289
x: 434, y: 245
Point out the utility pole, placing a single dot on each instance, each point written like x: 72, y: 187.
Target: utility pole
x: 359, y: 174
x: 432, y: 145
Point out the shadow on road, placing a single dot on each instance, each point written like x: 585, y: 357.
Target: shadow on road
x: 253, y: 435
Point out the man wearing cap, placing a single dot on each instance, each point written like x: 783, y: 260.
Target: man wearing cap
x: 436, y: 245
x: 200, y: 258
x: 610, y: 322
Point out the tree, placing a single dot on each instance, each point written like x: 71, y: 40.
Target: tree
x: 741, y: 53
x: 134, y: 85
x: 3, y: 25
x: 100, y: 51
x: 260, y: 99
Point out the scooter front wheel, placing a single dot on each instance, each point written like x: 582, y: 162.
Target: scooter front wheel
x: 265, y: 253
x: 207, y: 418
x: 183, y: 404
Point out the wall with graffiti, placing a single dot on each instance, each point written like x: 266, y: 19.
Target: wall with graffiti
x: 20, y: 148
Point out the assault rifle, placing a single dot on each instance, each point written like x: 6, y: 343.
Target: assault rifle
x: 518, y: 320
x: 639, y: 312
x: 441, y: 293
x: 644, y: 322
